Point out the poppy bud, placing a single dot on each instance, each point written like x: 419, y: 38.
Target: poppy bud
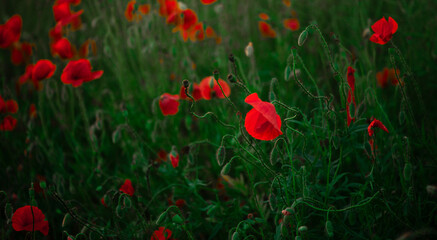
x: 43, y: 184
x: 177, y: 219
x: 329, y: 228
x: 272, y: 201
x: 66, y: 220
x: 231, y: 58
x: 220, y: 155
x: 287, y: 211
x: 302, y: 38
x: 302, y: 229
x: 431, y: 189
x: 235, y: 236
x: 161, y: 218
x: 107, y: 200
x: 231, y: 78
x: 408, y: 171
x: 287, y: 73
x: 226, y: 169
x: 127, y: 203
x: 8, y: 211
x: 119, y: 211
x: 186, y: 83
x: 216, y: 74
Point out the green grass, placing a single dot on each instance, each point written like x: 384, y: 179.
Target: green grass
x: 86, y: 141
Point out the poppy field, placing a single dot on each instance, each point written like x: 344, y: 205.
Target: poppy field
x: 218, y: 119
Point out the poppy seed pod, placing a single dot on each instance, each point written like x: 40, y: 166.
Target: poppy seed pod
x: 186, y: 83
x: 231, y: 58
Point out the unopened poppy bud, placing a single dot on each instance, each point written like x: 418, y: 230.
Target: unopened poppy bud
x: 216, y: 74
x: 43, y: 184
x: 186, y: 83
x: 302, y: 229
x: 235, y: 236
x: 226, y: 169
x: 408, y: 171
x: 177, y: 219
x: 249, y: 49
x: 287, y: 211
x: 302, y: 38
x: 8, y: 211
x: 66, y: 220
x: 231, y: 58
x: 366, y: 33
x: 220, y: 155
x: 119, y: 211
x: 127, y: 203
x: 161, y: 218
x: 231, y: 78
x: 329, y: 228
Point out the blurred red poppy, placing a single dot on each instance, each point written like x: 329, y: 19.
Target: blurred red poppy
x: 262, y: 122
x: 8, y: 123
x: 263, y: 16
x: 102, y: 200
x: 180, y: 203
x: 78, y: 72
x: 62, y: 48
x: 10, y: 31
x: 387, y: 75
x: 266, y: 30
x: 128, y: 12
x: 210, y: 33
x: 24, y: 220
x: 170, y: 9
x: 207, y: 2
x: 287, y: 3
x: 375, y: 123
x: 174, y: 158
x: 63, y: 15
x: 209, y: 88
x: 291, y: 24
x: 74, y: 2
x: 9, y: 106
x: 161, y: 234
x: 127, y: 187
x: 43, y: 69
x: 384, y: 30
x: 55, y: 33
x: 169, y: 104
x: 21, y: 52
x: 144, y: 9
x: 32, y: 111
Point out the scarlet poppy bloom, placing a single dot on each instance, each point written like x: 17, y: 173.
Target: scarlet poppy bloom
x: 384, y: 30
x: 23, y: 220
x: 21, y: 52
x: 161, y: 234
x: 9, y: 106
x: 128, y: 13
x: 266, y: 30
x: 210, y: 33
x: 78, y: 72
x: 169, y: 104
x: 287, y: 3
x: 263, y: 16
x: 63, y: 15
x: 194, y: 90
x: 208, y: 2
x: 170, y: 9
x: 8, y: 123
x: 127, y: 188
x: 189, y: 19
x: 162, y: 156
x: 387, y: 75
x: 62, y: 48
x: 209, y: 86
x: 180, y: 203
x: 43, y: 69
x: 375, y: 123
x: 174, y: 158
x: 74, y: 2
x: 144, y: 9
x: 10, y: 31
x: 56, y: 32
x: 262, y: 122
x: 291, y: 24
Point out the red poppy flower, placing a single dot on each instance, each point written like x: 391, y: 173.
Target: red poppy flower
x: 21, y: 52
x: 128, y: 12
x: 8, y: 123
x: 56, y: 32
x: 170, y: 9
x: 9, y: 106
x: 144, y: 9
x: 209, y: 84
x: 74, y: 2
x: 263, y: 16
x: 180, y: 203
x: 266, y: 30
x: 102, y: 200
x: 287, y: 3
x: 210, y: 33
x: 262, y: 122
x: 62, y: 48
x: 387, y: 75
x: 375, y: 123
x: 127, y: 188
x: 43, y: 69
x: 207, y: 2
x: 169, y: 104
x: 162, y: 156
x: 63, y: 14
x: 78, y: 72
x: 189, y: 20
x: 384, y: 30
x: 194, y: 90
x: 23, y: 220
x: 10, y: 31
x: 174, y: 158
x: 161, y: 234
x: 291, y: 24
x: 32, y: 111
